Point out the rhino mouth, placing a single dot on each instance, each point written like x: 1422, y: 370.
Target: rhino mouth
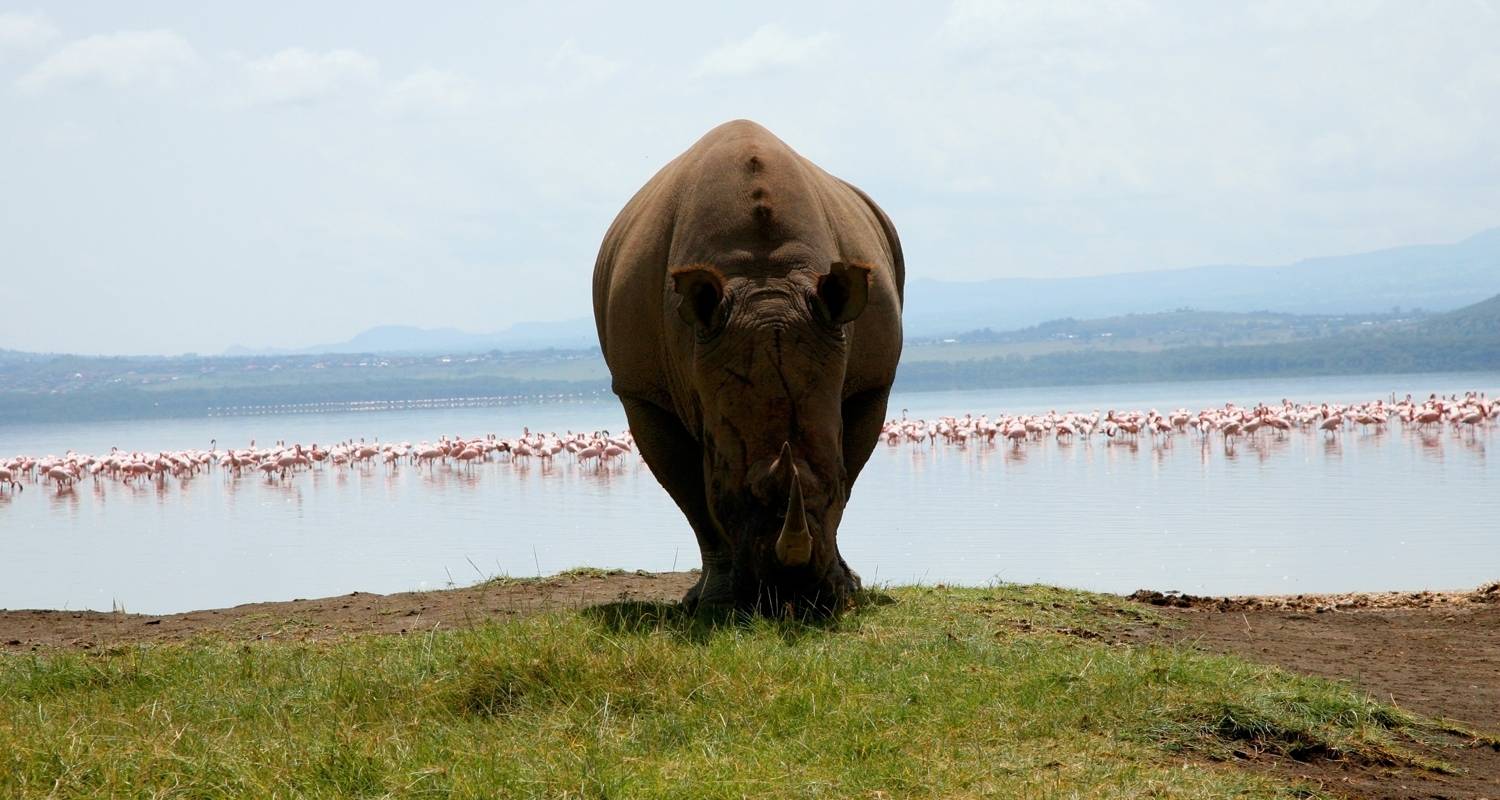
x: 786, y: 553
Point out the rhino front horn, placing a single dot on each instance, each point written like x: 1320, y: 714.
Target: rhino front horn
x: 794, y: 545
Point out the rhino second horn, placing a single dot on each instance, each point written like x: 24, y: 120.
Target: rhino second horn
x: 794, y: 545
x: 782, y: 469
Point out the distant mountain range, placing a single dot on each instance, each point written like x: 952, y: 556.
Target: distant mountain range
x: 570, y: 334
x: 1165, y: 346
x: 1467, y: 339
x: 1434, y: 278
x: 1431, y: 277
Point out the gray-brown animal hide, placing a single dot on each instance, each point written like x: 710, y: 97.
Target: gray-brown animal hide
x: 749, y: 308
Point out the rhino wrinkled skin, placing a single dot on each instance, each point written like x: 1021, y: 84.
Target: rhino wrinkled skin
x: 749, y: 308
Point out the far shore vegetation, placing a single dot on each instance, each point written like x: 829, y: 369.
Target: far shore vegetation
x: 1169, y: 346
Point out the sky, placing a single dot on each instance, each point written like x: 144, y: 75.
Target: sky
x: 183, y: 177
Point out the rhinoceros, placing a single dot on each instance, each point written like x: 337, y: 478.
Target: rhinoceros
x: 749, y: 309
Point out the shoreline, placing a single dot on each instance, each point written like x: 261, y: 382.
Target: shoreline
x: 400, y: 613
x: 1430, y: 654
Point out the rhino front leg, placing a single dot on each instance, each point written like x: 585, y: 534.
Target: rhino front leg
x: 864, y: 415
x: 676, y: 459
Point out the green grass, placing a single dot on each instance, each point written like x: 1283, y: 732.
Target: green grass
x: 574, y: 574
x: 921, y: 692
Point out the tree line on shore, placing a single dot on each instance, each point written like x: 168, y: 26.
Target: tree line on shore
x: 1463, y: 340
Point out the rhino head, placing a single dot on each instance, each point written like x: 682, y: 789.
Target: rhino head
x: 767, y: 374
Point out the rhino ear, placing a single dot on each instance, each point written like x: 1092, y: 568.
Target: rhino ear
x: 844, y: 291
x: 700, y: 291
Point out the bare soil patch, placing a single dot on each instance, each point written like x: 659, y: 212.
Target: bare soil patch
x: 1432, y: 653
x: 354, y: 614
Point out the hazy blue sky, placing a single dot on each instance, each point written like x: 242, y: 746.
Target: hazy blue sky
x: 185, y: 176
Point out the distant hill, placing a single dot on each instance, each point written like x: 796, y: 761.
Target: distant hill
x: 1467, y: 339
x: 1434, y: 278
x: 41, y: 387
x: 567, y: 335
x: 1182, y: 345
x: 1431, y: 277
x: 1186, y: 326
x: 1480, y: 319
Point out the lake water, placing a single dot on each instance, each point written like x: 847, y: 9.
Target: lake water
x: 1364, y: 511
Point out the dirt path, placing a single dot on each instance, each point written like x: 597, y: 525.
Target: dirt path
x: 1435, y: 654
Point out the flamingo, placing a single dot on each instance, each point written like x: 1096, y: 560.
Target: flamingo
x: 468, y: 456
x: 62, y: 477
x: 590, y: 453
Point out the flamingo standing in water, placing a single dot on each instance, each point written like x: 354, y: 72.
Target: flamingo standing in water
x: 468, y: 456
x: 1016, y: 434
x: 1432, y: 416
x: 429, y: 454
x: 62, y: 477
x: 1065, y: 429
x: 1472, y: 419
x: 612, y: 452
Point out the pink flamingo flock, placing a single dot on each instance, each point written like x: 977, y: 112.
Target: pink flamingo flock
x: 595, y: 451
x: 1465, y: 414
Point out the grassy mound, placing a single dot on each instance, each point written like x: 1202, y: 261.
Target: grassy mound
x: 922, y: 692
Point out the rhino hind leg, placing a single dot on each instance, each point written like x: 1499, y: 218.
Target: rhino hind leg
x: 676, y: 459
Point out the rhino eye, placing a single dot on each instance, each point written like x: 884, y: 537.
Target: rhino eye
x: 701, y: 301
x: 820, y: 310
x: 826, y: 313
x: 705, y: 300
x: 844, y: 292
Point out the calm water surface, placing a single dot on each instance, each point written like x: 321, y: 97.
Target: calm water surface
x: 1398, y: 510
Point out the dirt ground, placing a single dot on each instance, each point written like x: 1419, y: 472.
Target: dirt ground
x: 1437, y: 654
x: 352, y: 614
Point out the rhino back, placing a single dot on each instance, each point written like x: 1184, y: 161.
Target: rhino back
x: 629, y: 281
x: 738, y: 189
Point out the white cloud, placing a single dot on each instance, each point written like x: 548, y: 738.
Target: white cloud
x: 24, y: 32
x: 769, y: 47
x: 430, y: 91
x: 128, y: 58
x: 586, y: 67
x: 296, y: 75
